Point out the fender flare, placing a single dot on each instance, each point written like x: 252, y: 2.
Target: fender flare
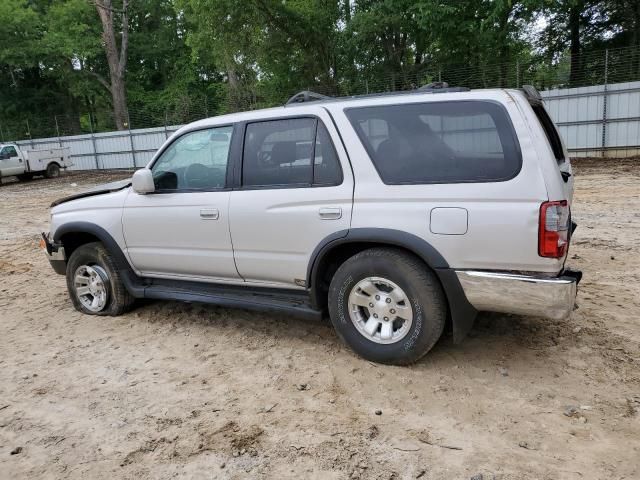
x: 129, y: 278
x: 462, y: 313
x: 385, y: 236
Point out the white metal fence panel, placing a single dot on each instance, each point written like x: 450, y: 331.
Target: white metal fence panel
x: 111, y: 150
x: 602, y: 120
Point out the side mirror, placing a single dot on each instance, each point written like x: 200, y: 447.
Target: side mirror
x: 142, y: 181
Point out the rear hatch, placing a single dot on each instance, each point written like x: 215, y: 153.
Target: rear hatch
x: 556, y: 225
x: 554, y: 140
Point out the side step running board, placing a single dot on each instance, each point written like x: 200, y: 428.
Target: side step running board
x: 265, y: 299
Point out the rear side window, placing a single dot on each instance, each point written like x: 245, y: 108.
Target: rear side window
x: 279, y: 153
x: 326, y: 167
x: 439, y: 142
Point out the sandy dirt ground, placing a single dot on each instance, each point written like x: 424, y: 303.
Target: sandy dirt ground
x: 192, y: 391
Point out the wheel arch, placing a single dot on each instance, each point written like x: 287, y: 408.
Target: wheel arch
x: 81, y: 233
x: 338, y: 247
x: 53, y: 162
x: 74, y: 234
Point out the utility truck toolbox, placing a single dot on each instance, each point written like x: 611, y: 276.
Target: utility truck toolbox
x: 25, y: 163
x: 393, y: 214
x: 39, y: 159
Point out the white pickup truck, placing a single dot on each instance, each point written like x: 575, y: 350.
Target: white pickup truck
x: 25, y: 164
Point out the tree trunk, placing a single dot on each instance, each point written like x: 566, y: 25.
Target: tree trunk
x: 501, y: 40
x: 116, y: 58
x: 575, y: 47
x: 119, y: 96
x: 71, y: 123
x: 235, y: 97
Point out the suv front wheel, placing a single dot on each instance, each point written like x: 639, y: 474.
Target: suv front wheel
x: 94, y: 282
x: 387, y: 306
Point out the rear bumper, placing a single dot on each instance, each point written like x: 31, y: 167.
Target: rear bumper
x: 537, y: 295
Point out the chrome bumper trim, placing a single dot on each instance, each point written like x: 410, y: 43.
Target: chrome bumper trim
x: 540, y: 296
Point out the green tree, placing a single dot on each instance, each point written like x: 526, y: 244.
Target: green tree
x: 574, y: 26
x: 72, y: 65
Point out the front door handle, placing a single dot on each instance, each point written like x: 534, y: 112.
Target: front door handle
x: 330, y: 213
x: 209, y: 214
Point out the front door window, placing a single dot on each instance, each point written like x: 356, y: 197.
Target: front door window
x: 197, y: 161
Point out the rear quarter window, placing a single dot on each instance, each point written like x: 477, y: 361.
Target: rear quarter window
x: 439, y: 142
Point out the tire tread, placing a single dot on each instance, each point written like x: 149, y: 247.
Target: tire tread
x: 418, y: 274
x: 120, y: 299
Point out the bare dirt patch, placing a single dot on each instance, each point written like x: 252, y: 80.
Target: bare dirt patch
x: 196, y: 391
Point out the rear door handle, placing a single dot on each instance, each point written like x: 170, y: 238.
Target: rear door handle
x: 209, y: 214
x: 330, y: 213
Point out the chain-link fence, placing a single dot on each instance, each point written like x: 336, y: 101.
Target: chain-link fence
x: 23, y: 126
x: 595, y: 68
x: 607, y: 118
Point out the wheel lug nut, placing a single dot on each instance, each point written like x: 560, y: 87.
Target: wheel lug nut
x: 386, y: 319
x: 388, y: 300
x: 392, y: 311
x: 377, y: 297
x: 375, y: 315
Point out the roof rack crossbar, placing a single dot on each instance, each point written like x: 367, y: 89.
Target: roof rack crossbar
x: 306, y: 96
x: 440, y: 87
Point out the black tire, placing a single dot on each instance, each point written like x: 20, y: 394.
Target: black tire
x: 119, y: 300
x: 25, y: 177
x: 422, y: 288
x: 52, y: 171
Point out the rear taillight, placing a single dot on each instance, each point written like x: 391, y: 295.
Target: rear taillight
x: 554, y: 229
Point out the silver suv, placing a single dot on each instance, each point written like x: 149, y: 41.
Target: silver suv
x: 397, y: 214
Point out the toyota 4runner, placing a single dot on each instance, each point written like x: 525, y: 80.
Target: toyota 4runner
x: 395, y: 213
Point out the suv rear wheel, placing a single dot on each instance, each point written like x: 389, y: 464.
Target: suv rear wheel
x: 52, y: 171
x: 387, y: 306
x: 94, y: 282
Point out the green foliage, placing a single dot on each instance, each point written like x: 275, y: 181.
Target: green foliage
x: 191, y: 58
x: 20, y: 35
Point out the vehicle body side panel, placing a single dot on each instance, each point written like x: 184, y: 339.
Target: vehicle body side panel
x: 104, y: 211
x: 165, y: 234
x: 37, y: 160
x: 275, y: 230
x: 502, y: 216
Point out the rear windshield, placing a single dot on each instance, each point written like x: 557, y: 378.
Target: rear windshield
x: 439, y: 142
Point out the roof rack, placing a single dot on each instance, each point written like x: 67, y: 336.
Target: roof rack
x: 532, y: 94
x: 434, y: 87
x: 441, y: 87
x: 307, y: 96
